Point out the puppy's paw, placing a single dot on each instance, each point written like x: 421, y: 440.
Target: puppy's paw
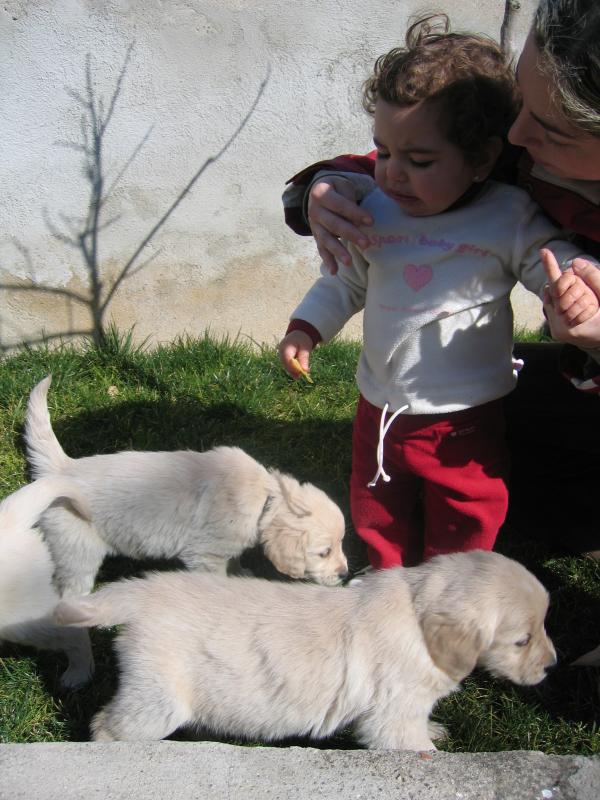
x: 436, y: 731
x: 99, y: 729
x: 76, y: 676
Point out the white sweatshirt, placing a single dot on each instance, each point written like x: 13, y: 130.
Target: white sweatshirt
x: 438, y: 324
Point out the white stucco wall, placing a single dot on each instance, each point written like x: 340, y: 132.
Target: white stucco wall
x: 224, y: 259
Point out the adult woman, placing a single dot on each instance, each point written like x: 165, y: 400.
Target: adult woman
x: 554, y: 430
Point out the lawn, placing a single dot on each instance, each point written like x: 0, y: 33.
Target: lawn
x: 200, y: 393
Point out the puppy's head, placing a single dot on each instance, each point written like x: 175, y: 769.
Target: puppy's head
x: 483, y: 609
x: 520, y: 650
x: 303, y: 531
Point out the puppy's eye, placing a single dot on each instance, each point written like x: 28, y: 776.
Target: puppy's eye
x: 524, y: 641
x: 325, y: 553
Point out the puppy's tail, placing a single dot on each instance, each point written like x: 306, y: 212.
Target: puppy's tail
x: 114, y: 604
x: 46, y: 456
x: 21, y: 509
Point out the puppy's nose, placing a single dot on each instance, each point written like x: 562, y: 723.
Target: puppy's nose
x: 343, y: 575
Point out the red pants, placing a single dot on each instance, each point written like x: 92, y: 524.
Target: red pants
x: 448, y: 488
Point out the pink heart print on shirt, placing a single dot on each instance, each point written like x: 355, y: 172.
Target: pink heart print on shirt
x: 417, y: 275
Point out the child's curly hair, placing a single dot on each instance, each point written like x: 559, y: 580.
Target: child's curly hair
x: 466, y: 75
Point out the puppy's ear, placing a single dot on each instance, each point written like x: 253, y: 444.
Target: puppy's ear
x: 292, y: 495
x: 454, y: 646
x: 287, y: 552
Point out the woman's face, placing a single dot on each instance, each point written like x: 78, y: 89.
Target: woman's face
x: 551, y: 140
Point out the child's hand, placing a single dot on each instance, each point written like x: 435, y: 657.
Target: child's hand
x: 570, y: 298
x: 296, y: 345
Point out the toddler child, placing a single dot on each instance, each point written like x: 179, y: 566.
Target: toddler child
x: 447, y: 246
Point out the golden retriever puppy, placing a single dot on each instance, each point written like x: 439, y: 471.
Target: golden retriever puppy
x: 27, y: 595
x: 247, y: 657
x: 204, y: 508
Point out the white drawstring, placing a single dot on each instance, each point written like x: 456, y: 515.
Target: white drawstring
x: 517, y: 365
x: 383, y: 429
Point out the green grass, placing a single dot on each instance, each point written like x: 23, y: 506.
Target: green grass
x: 200, y: 393
x: 526, y: 335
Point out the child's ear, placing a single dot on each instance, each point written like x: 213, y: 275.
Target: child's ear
x: 491, y: 153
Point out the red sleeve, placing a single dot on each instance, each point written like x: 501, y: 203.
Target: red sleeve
x: 567, y: 208
x: 294, y: 205
x: 306, y: 327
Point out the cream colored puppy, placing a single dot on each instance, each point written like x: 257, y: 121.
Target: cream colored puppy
x: 246, y: 657
x: 27, y: 595
x: 204, y: 508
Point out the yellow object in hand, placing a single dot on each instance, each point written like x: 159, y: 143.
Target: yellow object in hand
x: 297, y: 366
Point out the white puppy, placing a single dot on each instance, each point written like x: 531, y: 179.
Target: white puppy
x: 204, y: 508
x: 27, y: 595
x: 246, y: 657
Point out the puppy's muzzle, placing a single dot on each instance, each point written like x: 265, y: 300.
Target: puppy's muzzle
x: 551, y: 663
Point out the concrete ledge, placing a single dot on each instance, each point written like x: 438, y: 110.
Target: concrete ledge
x: 208, y: 771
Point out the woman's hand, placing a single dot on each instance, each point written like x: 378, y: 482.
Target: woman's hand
x: 333, y: 213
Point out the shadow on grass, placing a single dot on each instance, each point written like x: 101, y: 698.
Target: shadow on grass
x: 569, y: 694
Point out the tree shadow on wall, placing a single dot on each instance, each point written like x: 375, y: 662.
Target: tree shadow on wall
x: 83, y: 234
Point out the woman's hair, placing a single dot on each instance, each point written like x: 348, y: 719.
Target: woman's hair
x: 567, y: 35
x: 466, y: 75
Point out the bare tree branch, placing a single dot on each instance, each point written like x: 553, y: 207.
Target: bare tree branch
x: 210, y: 160
x: 83, y: 233
x: 46, y: 289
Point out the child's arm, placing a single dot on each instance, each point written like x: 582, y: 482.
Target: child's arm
x: 323, y: 312
x: 567, y: 294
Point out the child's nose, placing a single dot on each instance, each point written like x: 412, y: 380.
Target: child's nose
x: 396, y: 171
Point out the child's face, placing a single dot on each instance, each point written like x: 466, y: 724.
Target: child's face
x: 416, y: 165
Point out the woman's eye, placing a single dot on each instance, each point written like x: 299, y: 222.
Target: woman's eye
x: 556, y: 142
x: 420, y: 164
x: 381, y: 156
x: 524, y: 641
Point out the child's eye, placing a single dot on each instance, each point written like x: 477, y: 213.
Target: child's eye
x: 381, y: 156
x: 420, y: 164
